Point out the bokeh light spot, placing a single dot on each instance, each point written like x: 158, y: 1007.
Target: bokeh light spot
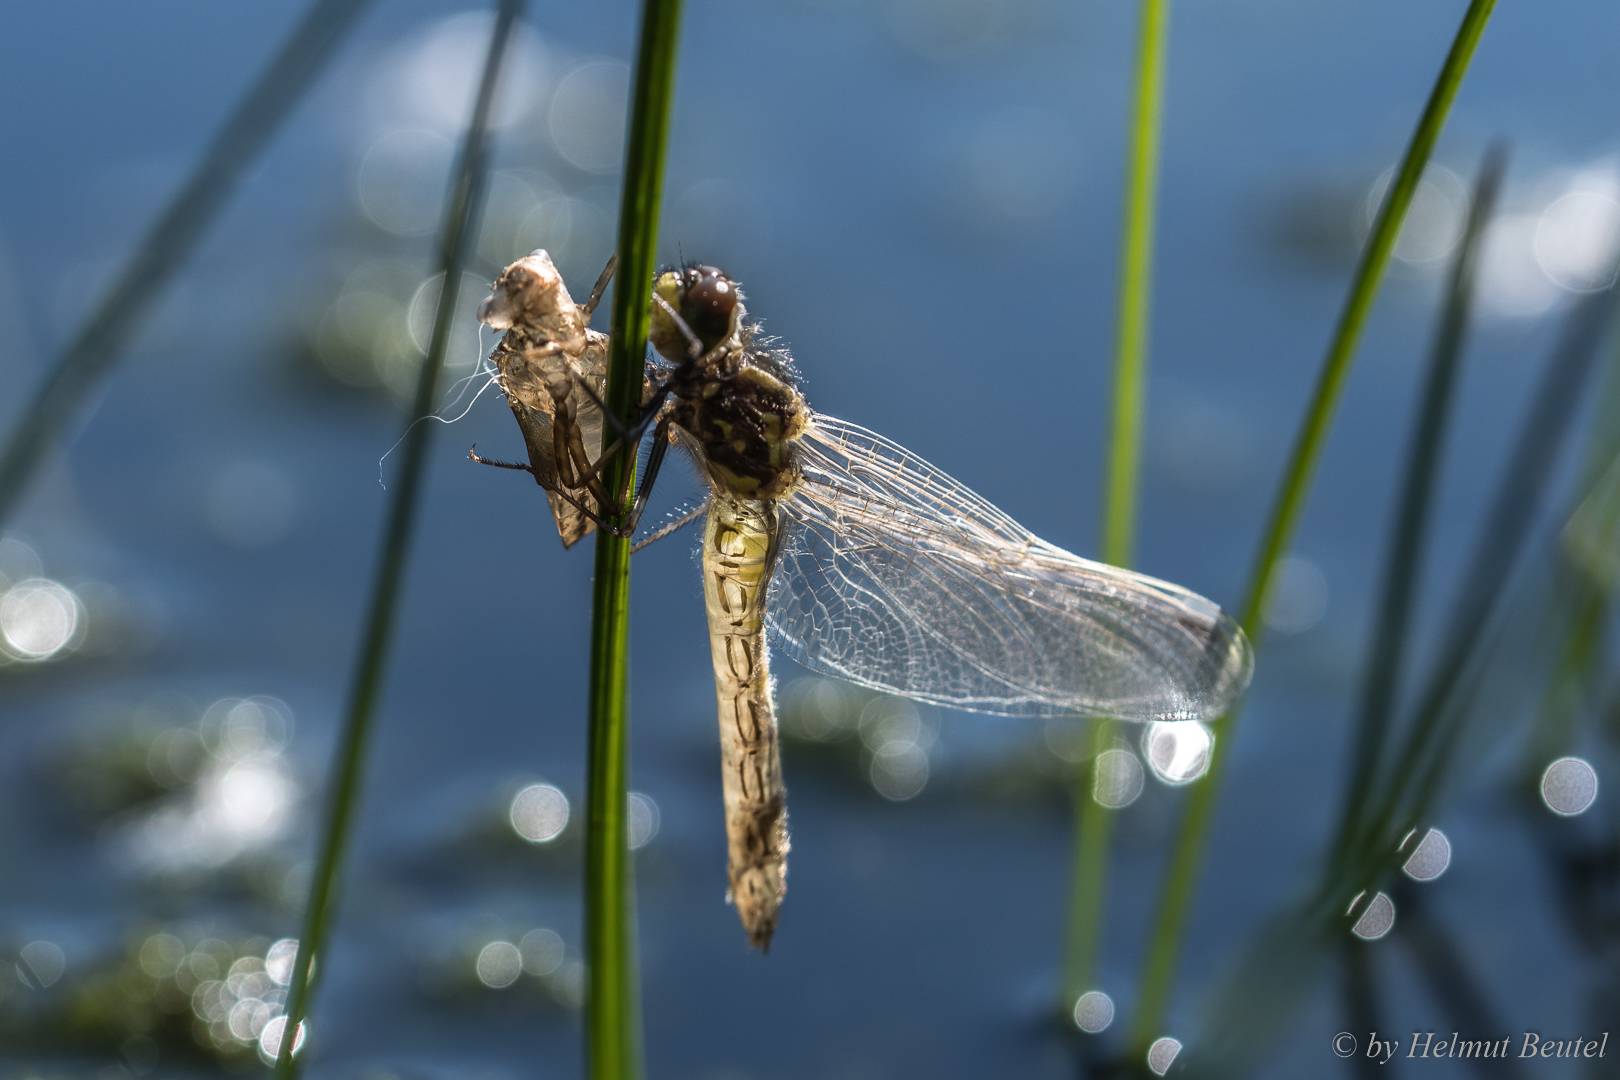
x: 644, y: 819
x: 279, y: 960
x: 539, y: 813
x: 44, y: 961
x: 1162, y: 1054
x: 1576, y: 239
x: 1116, y: 779
x: 587, y: 116
x: 499, y: 964
x: 270, y: 1039
x: 1569, y: 786
x: 1430, y: 858
x: 1376, y: 920
x: 401, y: 181
x: 1434, y: 218
x: 1178, y: 752
x: 161, y: 955
x: 1297, y: 597
x: 542, y: 951
x: 38, y: 619
x: 1093, y: 1012
x: 899, y: 770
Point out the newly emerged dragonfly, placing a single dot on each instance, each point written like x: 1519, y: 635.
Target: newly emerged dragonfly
x: 856, y: 557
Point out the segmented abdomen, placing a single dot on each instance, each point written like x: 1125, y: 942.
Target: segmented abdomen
x: 739, y: 548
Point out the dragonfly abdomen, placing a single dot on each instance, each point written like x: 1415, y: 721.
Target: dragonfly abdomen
x: 739, y: 548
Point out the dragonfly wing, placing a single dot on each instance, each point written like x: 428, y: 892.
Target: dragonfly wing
x: 895, y: 576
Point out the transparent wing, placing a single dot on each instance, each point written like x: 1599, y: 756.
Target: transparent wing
x: 897, y: 577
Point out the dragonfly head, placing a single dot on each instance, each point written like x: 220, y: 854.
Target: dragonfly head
x: 708, y: 303
x: 528, y: 288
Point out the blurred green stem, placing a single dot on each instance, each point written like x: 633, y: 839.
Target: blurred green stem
x: 1088, y: 890
x: 1421, y: 762
x: 460, y: 228
x: 613, y: 1011
x: 1583, y: 590
x: 1176, y: 895
x: 1382, y: 679
x: 70, y: 385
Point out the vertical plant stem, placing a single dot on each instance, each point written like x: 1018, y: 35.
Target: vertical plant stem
x: 1088, y: 877
x: 173, y: 237
x: 459, y: 230
x: 613, y: 1010
x: 1135, y: 288
x: 1382, y: 679
x: 1441, y: 714
x: 1175, y: 899
x: 1093, y: 821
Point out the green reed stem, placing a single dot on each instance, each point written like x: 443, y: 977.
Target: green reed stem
x: 91, y: 354
x: 1423, y: 757
x: 613, y: 1011
x: 1582, y: 594
x: 1175, y: 899
x: 1388, y: 646
x: 1135, y: 288
x: 459, y: 230
x: 1088, y: 878
x: 1088, y: 890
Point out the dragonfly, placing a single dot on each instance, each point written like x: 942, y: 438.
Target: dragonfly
x: 855, y: 557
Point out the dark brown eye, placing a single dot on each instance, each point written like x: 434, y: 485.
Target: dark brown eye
x: 711, y: 300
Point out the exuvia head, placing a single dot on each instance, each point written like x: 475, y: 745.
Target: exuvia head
x: 531, y: 286
x: 707, y: 304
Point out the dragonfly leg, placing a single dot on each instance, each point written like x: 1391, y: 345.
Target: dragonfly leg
x: 694, y: 345
x: 588, y: 477
x: 632, y: 437
x: 596, y: 399
x: 600, y: 287
x: 680, y: 523
x: 473, y: 453
x: 655, y: 461
x: 559, y: 492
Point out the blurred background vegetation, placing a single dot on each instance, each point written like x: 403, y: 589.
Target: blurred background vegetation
x: 921, y: 197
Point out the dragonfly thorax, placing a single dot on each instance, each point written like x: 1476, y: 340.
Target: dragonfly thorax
x: 743, y: 414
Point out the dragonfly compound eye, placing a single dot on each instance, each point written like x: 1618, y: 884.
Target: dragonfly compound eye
x: 711, y: 304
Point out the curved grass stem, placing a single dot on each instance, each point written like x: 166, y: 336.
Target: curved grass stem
x: 613, y: 1010
x: 1094, y: 822
x: 459, y: 230
x: 1176, y: 894
x: 1381, y: 682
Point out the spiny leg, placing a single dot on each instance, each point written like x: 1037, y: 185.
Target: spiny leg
x: 601, y: 285
x: 680, y: 523
x: 655, y: 461
x: 587, y: 475
x: 632, y: 437
x: 694, y: 345
x: 600, y: 521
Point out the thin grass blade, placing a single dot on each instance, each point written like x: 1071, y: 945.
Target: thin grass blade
x: 1381, y: 681
x: 173, y: 237
x: 1088, y: 889
x: 1423, y: 757
x: 459, y: 230
x: 1254, y: 1006
x: 1176, y: 895
x: 1585, y: 574
x: 613, y: 1010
